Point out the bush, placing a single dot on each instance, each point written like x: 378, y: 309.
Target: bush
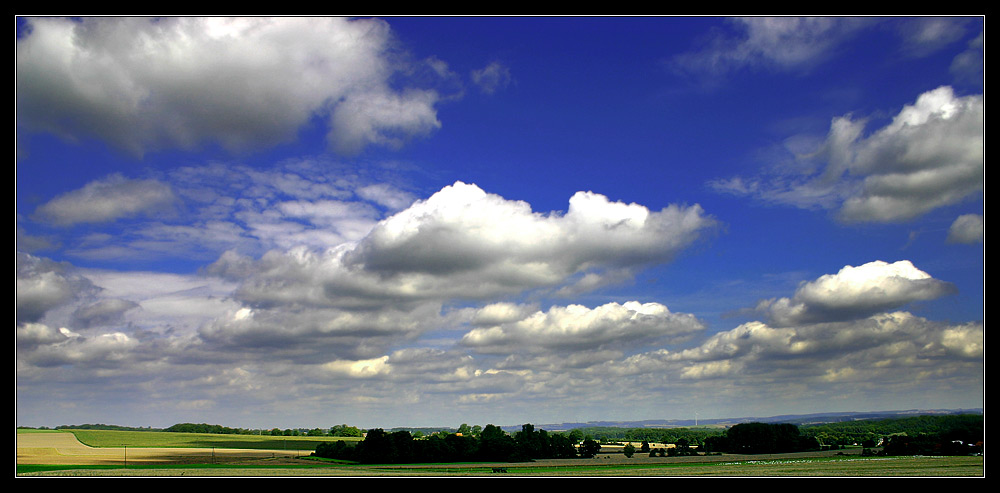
x: 629, y: 450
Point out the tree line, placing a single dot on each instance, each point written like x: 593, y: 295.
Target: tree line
x: 609, y: 434
x: 924, y: 434
x: 334, y: 431
x: 965, y: 427
x: 948, y: 435
x: 491, y: 444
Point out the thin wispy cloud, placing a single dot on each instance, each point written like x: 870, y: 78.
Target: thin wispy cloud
x: 769, y: 43
x: 492, y: 78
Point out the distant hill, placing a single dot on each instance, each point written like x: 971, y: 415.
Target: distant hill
x: 797, y: 419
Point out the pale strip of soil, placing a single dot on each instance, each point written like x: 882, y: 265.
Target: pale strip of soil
x: 64, y: 448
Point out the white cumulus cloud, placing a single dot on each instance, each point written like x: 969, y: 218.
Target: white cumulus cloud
x: 146, y: 84
x: 929, y: 156
x: 856, y: 292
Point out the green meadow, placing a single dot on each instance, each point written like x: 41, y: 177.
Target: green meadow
x: 155, y: 439
x: 867, y: 467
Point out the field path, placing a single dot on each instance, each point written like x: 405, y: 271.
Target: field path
x: 64, y: 448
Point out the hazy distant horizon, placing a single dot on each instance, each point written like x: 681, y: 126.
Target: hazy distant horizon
x: 557, y: 426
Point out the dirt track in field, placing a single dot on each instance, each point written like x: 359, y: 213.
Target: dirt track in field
x: 64, y: 448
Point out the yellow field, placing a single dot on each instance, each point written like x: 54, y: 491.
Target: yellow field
x: 64, y: 448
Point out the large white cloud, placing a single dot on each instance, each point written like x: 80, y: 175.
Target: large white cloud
x: 147, y: 84
x: 465, y: 243
x: 463, y: 228
x: 856, y: 292
x: 929, y: 156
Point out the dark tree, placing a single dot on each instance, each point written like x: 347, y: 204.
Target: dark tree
x: 533, y: 444
x: 338, y: 450
x: 376, y: 448
x: 764, y: 438
x: 562, y: 447
x: 402, y: 446
x: 718, y: 443
x: 494, y: 444
x: 589, y: 448
x: 461, y: 447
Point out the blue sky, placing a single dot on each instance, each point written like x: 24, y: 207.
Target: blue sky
x: 302, y: 222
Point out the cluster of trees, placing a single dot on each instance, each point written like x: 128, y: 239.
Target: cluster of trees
x: 207, y: 428
x: 100, y: 427
x: 335, y: 431
x: 950, y: 436
x: 965, y: 427
x: 681, y: 448
x: 490, y: 444
x: 605, y: 434
x: 930, y: 444
x: 761, y: 438
x: 345, y: 431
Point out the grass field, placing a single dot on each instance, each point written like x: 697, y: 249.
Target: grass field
x: 148, y: 439
x: 192, y: 454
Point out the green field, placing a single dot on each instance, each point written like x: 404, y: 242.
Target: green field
x: 606, y: 465
x: 868, y: 467
x: 113, y: 438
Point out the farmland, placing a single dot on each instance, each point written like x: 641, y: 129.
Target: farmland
x: 160, y: 439
x: 117, y: 453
